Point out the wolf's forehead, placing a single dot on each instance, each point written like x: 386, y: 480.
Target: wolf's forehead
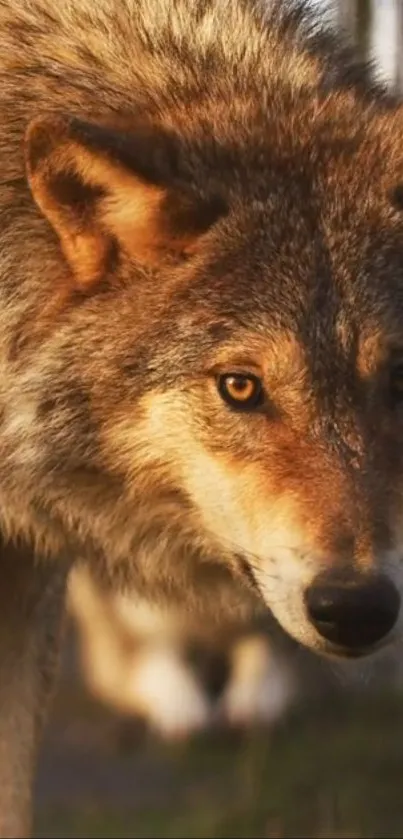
x: 259, y: 306
x: 298, y: 269
x: 279, y: 337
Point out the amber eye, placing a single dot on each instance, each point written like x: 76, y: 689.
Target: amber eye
x: 241, y: 391
x: 396, y: 383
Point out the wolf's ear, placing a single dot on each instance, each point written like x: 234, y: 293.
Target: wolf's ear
x: 102, y: 190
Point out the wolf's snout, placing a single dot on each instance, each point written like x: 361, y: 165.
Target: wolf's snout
x: 356, y: 613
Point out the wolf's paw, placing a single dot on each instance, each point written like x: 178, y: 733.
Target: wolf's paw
x: 261, y: 687
x: 169, y: 695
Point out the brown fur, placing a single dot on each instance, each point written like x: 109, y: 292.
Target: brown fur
x: 189, y: 189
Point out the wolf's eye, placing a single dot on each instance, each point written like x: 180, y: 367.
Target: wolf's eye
x: 396, y: 383
x: 241, y: 391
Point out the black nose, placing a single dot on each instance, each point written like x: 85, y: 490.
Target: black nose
x: 353, y: 613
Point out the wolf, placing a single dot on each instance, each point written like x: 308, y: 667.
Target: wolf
x: 201, y: 352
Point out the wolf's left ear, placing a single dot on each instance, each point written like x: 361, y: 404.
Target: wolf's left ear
x: 102, y: 189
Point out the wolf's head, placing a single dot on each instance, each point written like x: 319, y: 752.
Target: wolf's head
x: 226, y: 341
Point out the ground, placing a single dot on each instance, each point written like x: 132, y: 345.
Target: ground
x: 327, y: 772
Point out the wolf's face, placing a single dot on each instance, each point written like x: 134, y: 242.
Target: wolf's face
x: 286, y: 435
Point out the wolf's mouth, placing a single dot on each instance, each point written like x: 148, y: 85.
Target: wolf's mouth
x: 247, y: 574
x: 335, y: 651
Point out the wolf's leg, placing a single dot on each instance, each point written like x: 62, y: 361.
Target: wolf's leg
x: 262, y: 683
x: 31, y: 609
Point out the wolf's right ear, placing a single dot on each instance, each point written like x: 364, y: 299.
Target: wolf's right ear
x: 102, y: 189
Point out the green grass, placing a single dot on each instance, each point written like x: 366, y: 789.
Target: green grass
x: 334, y: 773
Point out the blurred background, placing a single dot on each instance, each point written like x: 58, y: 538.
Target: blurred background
x: 164, y: 727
